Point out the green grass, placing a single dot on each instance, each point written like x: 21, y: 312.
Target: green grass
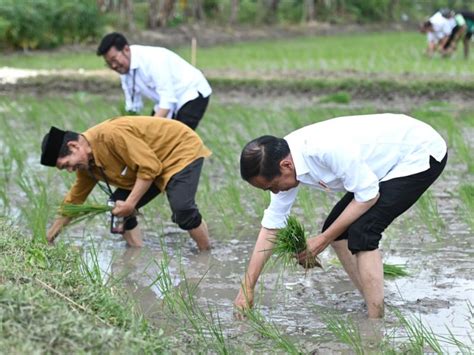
x: 389, y: 53
x: 48, y: 305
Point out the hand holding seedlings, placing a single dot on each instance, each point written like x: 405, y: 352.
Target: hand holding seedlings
x: 123, y: 209
x: 291, y: 242
x: 315, y: 246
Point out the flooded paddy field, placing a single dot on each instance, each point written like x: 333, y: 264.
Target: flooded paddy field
x: 189, y: 295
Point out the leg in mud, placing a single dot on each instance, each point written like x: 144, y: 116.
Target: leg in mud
x: 348, y: 261
x: 200, y: 235
x: 370, y: 268
x: 133, y: 237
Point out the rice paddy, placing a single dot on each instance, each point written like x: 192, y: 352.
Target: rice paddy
x: 168, y: 297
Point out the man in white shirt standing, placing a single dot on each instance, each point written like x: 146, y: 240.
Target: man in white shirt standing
x: 384, y: 163
x: 178, y: 90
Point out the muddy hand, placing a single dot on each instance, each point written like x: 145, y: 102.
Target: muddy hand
x: 242, y: 303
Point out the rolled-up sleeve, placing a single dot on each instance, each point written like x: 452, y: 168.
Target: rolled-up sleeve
x: 81, y: 189
x: 277, y: 212
x: 357, y: 177
x: 136, y: 154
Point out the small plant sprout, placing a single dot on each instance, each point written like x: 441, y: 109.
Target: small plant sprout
x: 290, y: 241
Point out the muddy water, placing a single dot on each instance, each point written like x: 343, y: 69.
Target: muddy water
x: 438, y: 290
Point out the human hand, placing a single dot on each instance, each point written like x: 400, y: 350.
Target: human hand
x: 123, y: 209
x: 243, y: 302
x: 315, y: 246
x: 55, y: 228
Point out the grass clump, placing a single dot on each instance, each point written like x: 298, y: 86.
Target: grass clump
x: 341, y: 97
x: 291, y: 240
x: 48, y: 304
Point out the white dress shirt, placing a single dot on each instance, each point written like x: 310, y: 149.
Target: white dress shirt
x: 162, y: 76
x: 354, y: 154
x: 442, y: 27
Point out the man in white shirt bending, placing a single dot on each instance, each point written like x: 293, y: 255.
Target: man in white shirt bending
x: 178, y: 90
x: 438, y: 30
x: 384, y: 163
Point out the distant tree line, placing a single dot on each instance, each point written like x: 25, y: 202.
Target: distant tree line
x: 31, y: 24
x: 162, y: 13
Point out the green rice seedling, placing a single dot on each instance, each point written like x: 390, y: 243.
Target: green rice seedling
x: 420, y: 337
x: 90, y: 267
x: 35, y: 210
x: 337, y: 98
x: 429, y: 215
x: 463, y: 150
x: 345, y: 330
x: 389, y: 270
x: 466, y: 192
x: 181, y: 301
x: 394, y: 270
x: 270, y: 330
x: 84, y: 211
x: 291, y: 240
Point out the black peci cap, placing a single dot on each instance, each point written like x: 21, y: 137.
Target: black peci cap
x: 51, y: 146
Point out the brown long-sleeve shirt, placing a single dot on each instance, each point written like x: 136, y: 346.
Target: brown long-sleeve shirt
x: 131, y: 147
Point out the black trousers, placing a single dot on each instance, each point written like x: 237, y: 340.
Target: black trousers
x: 181, y: 192
x: 192, y: 111
x: 396, y: 196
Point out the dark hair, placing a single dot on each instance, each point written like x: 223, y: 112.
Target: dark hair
x: 113, y: 39
x: 426, y: 25
x: 262, y: 157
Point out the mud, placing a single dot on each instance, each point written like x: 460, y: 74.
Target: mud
x: 438, y: 290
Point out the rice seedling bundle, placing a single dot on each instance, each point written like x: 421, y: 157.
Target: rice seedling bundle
x: 290, y: 241
x: 84, y: 211
x: 392, y: 270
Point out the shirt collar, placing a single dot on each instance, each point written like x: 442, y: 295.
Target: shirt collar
x: 133, y: 60
x: 296, y: 151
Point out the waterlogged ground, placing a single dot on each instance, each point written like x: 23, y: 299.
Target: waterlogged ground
x: 434, y: 240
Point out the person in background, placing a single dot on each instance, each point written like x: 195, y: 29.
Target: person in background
x: 384, y: 163
x: 438, y: 30
x: 458, y: 24
x: 142, y: 156
x: 177, y: 89
x: 469, y: 30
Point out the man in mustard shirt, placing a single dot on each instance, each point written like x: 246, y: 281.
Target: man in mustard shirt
x: 141, y: 156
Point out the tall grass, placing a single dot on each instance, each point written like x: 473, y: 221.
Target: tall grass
x: 270, y: 330
x: 466, y: 192
x: 427, y: 208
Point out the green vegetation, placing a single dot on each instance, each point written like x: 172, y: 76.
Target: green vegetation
x: 291, y: 240
x: 466, y: 192
x: 48, y: 23
x: 338, y: 97
x: 100, y: 318
x: 84, y: 211
x: 393, y: 270
x: 391, y: 53
x: 49, y: 305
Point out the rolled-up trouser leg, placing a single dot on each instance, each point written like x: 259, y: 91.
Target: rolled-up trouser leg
x: 181, y: 192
